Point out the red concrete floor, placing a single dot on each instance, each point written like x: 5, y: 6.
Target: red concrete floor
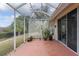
x: 42, y: 48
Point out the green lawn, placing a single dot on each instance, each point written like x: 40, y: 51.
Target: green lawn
x: 7, y: 45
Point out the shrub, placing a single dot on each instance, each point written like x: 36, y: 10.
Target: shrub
x: 45, y: 34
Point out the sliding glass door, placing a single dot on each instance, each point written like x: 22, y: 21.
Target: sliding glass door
x: 72, y: 29
x: 62, y: 29
x: 67, y: 30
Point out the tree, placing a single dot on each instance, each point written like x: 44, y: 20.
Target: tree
x: 19, y: 25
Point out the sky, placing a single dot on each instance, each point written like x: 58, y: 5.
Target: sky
x: 7, y: 15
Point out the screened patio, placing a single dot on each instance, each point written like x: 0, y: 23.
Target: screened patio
x: 35, y: 18
x: 39, y: 17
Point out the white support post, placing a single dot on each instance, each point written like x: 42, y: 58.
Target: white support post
x: 14, y: 30
x: 24, y: 29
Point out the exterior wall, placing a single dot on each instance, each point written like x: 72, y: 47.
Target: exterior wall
x: 56, y: 31
x: 63, y: 12
x: 59, y: 9
x: 78, y: 30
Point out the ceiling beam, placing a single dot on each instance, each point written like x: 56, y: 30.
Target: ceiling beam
x: 21, y: 5
x: 43, y: 12
x: 34, y: 11
x: 39, y: 11
x: 14, y: 8
x: 41, y: 6
x: 51, y: 5
x: 32, y: 8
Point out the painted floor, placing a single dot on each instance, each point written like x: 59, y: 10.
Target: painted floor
x: 42, y: 48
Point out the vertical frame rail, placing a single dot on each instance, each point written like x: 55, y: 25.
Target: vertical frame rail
x: 24, y: 29
x: 14, y: 30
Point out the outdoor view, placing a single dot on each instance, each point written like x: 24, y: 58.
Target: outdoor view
x: 33, y: 27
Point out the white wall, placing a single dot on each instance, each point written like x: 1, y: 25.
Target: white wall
x: 78, y: 30
x: 56, y: 31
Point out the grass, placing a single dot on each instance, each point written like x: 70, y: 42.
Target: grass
x: 7, y: 45
x: 19, y: 40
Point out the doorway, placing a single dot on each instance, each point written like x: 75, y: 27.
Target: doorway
x: 67, y: 30
x: 62, y: 29
x: 72, y: 29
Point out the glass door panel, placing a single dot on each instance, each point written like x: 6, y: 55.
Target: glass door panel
x: 72, y: 30
x: 62, y: 29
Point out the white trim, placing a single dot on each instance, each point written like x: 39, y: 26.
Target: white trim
x: 24, y: 29
x: 14, y: 43
x: 67, y: 47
